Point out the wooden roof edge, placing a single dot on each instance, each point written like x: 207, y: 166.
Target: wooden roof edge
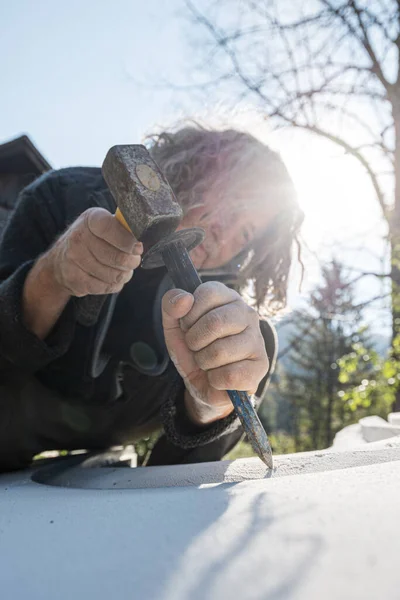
x: 23, y: 145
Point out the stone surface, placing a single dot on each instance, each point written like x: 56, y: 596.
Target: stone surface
x: 394, y: 419
x: 348, y: 438
x: 214, y: 472
x: 374, y: 429
x: 367, y: 430
x: 331, y: 535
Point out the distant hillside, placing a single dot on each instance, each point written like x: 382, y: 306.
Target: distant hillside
x: 286, y: 330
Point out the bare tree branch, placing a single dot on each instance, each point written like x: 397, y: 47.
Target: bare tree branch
x: 363, y: 39
x: 329, y: 68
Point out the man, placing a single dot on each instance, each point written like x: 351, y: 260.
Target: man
x: 82, y: 368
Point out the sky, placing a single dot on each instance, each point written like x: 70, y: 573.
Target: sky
x: 81, y: 76
x: 71, y: 73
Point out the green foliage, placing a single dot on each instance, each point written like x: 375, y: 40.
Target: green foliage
x: 281, y: 443
x: 144, y: 446
x: 321, y: 386
x: 369, y: 381
x: 241, y: 450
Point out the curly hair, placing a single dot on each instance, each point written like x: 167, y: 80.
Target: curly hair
x: 195, y: 158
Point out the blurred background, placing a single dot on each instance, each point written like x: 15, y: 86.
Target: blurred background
x: 318, y: 81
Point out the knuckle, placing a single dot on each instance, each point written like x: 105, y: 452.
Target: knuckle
x: 215, y: 379
x: 223, y: 378
x: 205, y: 290
x: 74, y: 238
x: 252, y: 314
x: 89, y: 212
x: 213, y: 323
x: 123, y: 260
x: 193, y: 340
x: 236, y: 313
x: 200, y: 293
x: 263, y: 352
x: 130, y: 261
x: 230, y: 377
x: 264, y: 364
x: 216, y: 352
x: 209, y: 356
x: 118, y: 277
x: 135, y: 262
x: 201, y: 360
x: 213, y: 286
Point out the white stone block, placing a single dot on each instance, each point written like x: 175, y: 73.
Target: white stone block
x: 394, y: 418
x: 375, y: 428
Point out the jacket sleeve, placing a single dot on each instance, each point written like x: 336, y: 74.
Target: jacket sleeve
x: 35, y: 223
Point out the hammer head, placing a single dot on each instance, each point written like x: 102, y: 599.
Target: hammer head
x: 142, y: 193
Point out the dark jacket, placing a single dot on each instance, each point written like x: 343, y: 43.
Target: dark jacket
x: 49, y: 397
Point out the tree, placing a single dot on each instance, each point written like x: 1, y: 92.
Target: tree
x: 324, y: 330
x: 329, y: 67
x: 369, y: 380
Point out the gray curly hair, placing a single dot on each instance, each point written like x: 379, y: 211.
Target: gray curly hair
x: 195, y: 158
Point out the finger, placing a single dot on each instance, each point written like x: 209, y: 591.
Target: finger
x: 104, y: 225
x: 79, y: 283
x: 220, y: 322
x: 110, y: 256
x: 89, y: 264
x: 208, y: 296
x: 175, y: 305
x: 228, y: 350
x: 243, y: 376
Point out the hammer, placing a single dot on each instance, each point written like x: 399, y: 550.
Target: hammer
x: 147, y: 207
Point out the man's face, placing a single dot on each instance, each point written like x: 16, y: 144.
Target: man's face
x: 230, y: 225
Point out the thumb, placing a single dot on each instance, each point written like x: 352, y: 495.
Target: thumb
x: 175, y: 305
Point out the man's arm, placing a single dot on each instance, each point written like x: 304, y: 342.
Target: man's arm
x: 44, y: 300
x: 55, y: 248
x: 34, y: 224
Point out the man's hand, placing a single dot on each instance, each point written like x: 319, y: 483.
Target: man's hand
x: 214, y: 339
x: 95, y: 255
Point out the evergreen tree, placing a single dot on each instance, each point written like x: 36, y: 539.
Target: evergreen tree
x: 325, y: 330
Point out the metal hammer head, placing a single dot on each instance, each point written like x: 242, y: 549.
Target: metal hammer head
x: 142, y: 193
x: 146, y: 201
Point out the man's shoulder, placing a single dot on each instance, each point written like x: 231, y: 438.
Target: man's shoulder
x: 69, y: 176
x: 77, y: 188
